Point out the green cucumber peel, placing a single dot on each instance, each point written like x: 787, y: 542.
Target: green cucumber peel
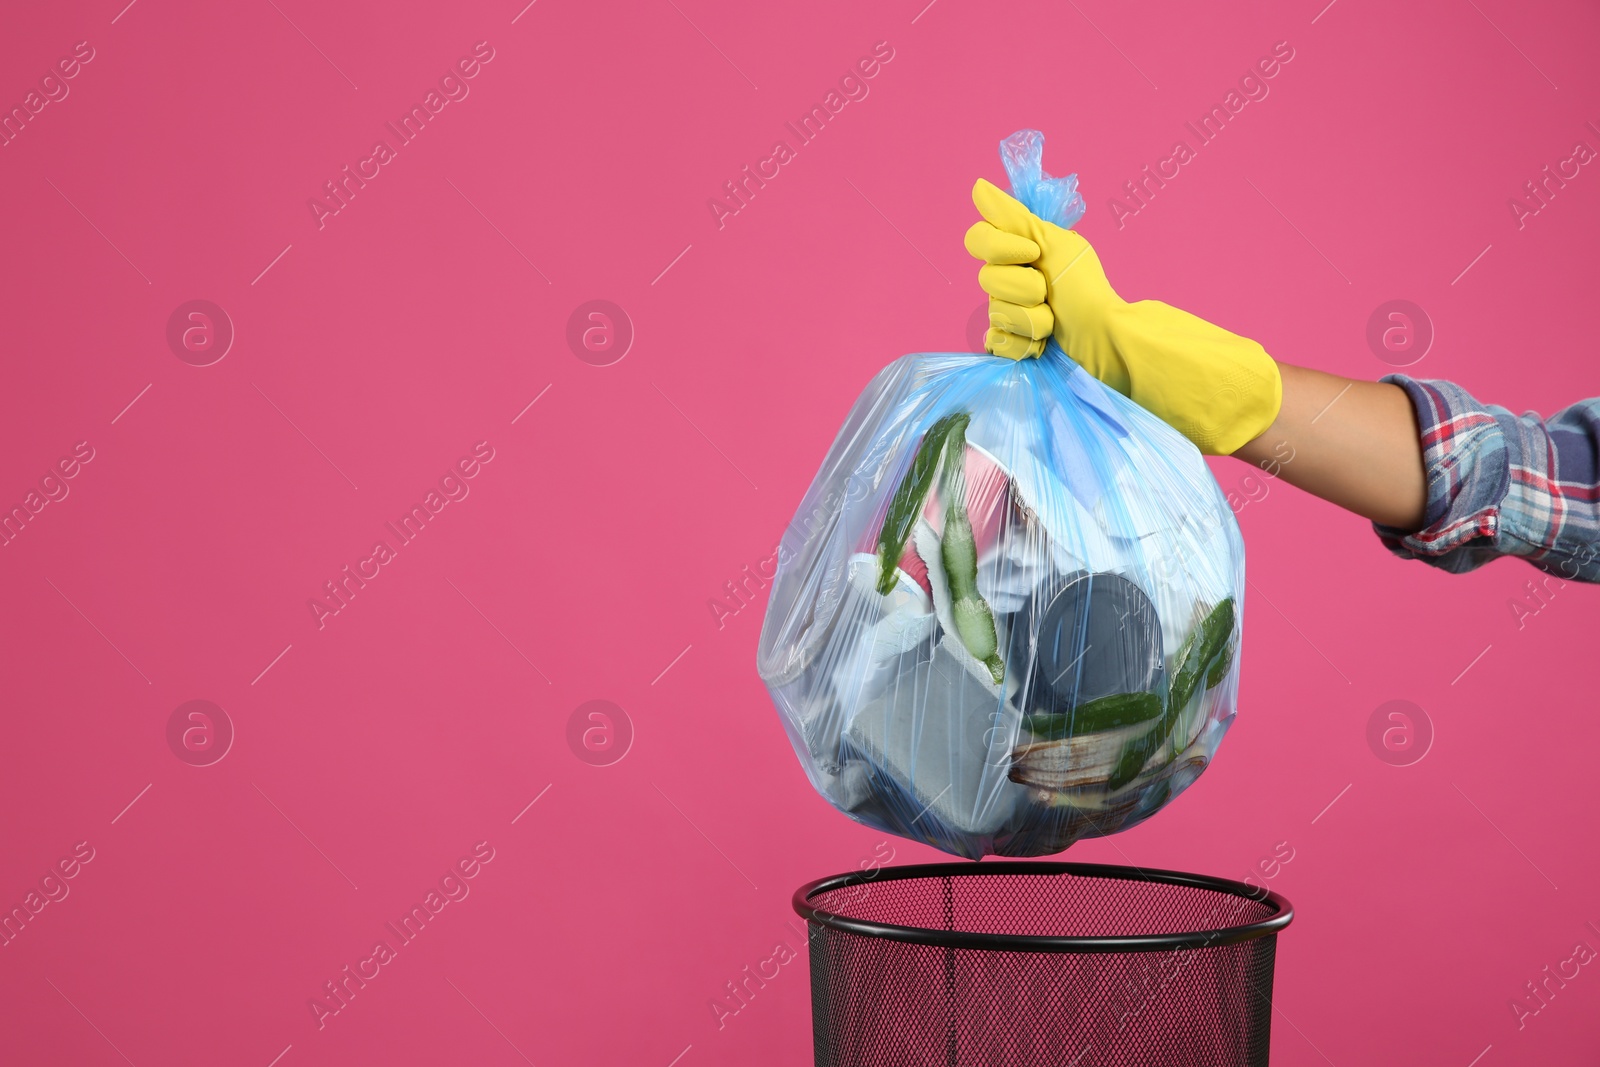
x: 1205, y: 656
x: 1199, y: 654
x: 958, y: 553
x: 910, y: 495
x: 1133, y: 757
x: 1103, y: 713
x: 1219, y: 667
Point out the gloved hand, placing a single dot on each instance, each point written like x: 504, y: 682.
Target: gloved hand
x: 1216, y: 388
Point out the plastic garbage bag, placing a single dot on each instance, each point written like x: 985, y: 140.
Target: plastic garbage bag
x: 1006, y: 615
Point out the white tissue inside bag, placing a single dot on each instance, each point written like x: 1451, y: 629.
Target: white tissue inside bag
x: 907, y: 612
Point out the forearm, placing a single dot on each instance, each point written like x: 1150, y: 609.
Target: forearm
x: 1354, y: 444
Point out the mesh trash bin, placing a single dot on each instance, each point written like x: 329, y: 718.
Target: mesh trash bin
x: 1033, y: 963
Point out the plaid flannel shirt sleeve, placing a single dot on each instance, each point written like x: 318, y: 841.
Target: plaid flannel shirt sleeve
x: 1504, y: 485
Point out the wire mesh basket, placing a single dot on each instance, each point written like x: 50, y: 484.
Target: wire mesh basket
x: 1031, y: 963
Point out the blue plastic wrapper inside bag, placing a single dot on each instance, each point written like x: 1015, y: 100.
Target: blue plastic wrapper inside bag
x: 1007, y: 613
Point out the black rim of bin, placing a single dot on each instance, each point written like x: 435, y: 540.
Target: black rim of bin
x: 1283, y: 912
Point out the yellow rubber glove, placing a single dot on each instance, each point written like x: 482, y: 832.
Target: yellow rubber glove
x: 1218, y: 389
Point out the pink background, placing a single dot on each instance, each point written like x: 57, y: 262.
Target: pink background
x: 422, y: 719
